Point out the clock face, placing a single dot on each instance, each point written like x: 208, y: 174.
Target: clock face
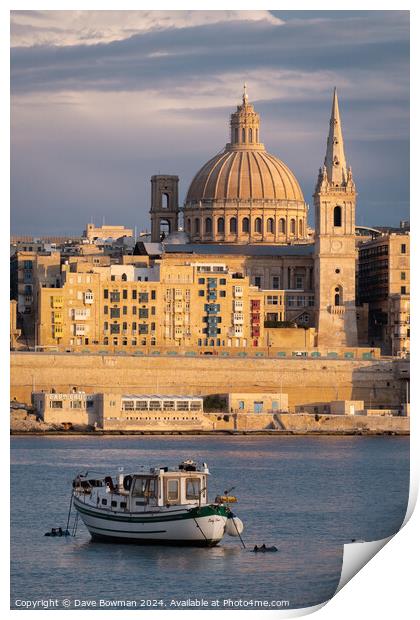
x: 336, y: 244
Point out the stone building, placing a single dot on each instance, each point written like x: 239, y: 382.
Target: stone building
x: 186, y: 303
x: 384, y: 283
x: 92, y: 232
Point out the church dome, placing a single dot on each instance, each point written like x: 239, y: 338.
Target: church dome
x: 249, y: 174
x: 244, y: 194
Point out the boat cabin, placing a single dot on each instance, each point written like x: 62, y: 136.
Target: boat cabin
x: 137, y: 492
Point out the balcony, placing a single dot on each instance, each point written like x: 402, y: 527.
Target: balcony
x: 340, y: 310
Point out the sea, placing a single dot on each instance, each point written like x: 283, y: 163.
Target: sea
x: 305, y: 495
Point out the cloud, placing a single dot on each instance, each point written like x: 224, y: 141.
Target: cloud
x: 63, y: 28
x: 92, y: 122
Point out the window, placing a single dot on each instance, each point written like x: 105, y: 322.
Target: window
x: 201, y: 280
x: 143, y: 329
x: 125, y: 309
x: 403, y: 290
x: 403, y: 248
x: 133, y: 294
x: 208, y: 226
x: 143, y: 313
x: 276, y: 282
x: 337, y: 216
x: 125, y: 293
x: 257, y: 281
x: 293, y: 226
x: 172, y: 490
x: 300, y: 228
x: 192, y: 488
x: 115, y: 313
x: 232, y: 225
x: 115, y: 328
x: 245, y: 225
x: 153, y: 295
x: 220, y: 225
x: 196, y: 225
x: 249, y: 135
x: 243, y: 135
x: 222, y: 293
x: 258, y: 225
x: 242, y: 404
x: 282, y: 226
x: 56, y: 404
x: 134, y: 310
x: 272, y: 300
x: 144, y: 297
x: 105, y: 309
x: 105, y: 293
x: 270, y: 225
x: 402, y: 275
x: 115, y: 296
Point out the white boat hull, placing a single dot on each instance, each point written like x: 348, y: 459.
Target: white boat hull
x: 200, y: 526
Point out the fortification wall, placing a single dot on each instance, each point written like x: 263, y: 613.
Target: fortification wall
x: 306, y: 381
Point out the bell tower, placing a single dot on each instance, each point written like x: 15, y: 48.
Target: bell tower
x: 164, y: 209
x: 335, y: 251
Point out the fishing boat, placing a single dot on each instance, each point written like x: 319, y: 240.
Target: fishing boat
x: 157, y: 506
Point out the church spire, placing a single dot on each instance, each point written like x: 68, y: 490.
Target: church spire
x: 335, y: 159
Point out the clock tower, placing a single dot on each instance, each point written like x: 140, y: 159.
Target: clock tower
x: 335, y: 251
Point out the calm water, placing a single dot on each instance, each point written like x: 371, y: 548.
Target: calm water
x: 306, y: 495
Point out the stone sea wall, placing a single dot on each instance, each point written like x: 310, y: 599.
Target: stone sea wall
x: 306, y: 381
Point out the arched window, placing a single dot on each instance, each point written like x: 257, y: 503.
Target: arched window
x: 196, y: 225
x: 292, y: 227
x: 124, y: 277
x: 300, y: 228
x: 256, y: 135
x: 188, y: 225
x: 232, y: 225
x: 258, y: 225
x: 165, y: 201
x: 245, y: 225
x: 208, y: 225
x: 243, y: 135
x: 236, y: 135
x: 282, y: 226
x: 337, y: 296
x: 220, y: 225
x: 250, y: 135
x: 337, y: 216
x: 270, y: 225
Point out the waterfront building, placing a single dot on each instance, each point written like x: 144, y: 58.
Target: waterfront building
x: 188, y: 303
x: 384, y: 283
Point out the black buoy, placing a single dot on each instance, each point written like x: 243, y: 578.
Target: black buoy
x: 264, y: 549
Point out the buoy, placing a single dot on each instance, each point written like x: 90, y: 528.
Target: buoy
x: 234, y: 526
x: 264, y: 549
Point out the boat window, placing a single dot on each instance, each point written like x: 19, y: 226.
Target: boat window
x: 192, y: 488
x: 114, y: 503
x: 144, y: 487
x: 172, y: 490
x: 104, y: 502
x: 123, y: 504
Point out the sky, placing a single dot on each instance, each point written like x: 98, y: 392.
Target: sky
x: 102, y: 100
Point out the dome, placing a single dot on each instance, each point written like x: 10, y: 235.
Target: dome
x: 244, y: 194
x: 250, y: 174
